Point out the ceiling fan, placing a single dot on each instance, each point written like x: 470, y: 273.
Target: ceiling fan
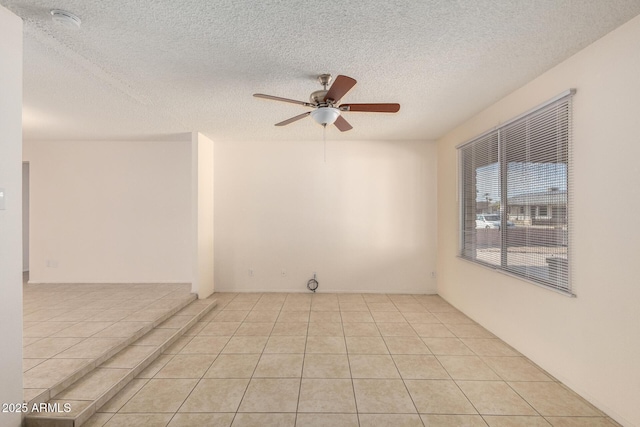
x: 326, y: 109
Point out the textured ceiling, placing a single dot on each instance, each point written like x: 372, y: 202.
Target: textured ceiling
x: 145, y: 69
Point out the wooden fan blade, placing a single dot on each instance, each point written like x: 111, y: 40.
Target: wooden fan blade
x: 277, y: 98
x: 371, y: 108
x: 342, y: 124
x: 339, y: 88
x: 294, y: 119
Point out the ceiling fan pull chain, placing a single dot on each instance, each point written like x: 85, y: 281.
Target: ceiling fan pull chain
x: 324, y: 138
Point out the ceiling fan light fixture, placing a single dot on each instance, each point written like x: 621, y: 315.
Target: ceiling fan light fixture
x: 325, y: 115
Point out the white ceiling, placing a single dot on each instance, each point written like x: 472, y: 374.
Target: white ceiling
x: 144, y: 69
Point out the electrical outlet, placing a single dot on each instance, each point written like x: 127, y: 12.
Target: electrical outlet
x: 434, y: 275
x: 250, y: 272
x: 283, y: 272
x: 52, y: 263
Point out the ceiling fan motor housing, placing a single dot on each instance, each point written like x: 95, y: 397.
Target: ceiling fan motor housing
x: 317, y: 97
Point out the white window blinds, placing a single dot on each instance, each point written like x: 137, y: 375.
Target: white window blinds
x: 515, y: 196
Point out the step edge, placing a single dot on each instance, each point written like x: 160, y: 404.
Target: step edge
x: 101, y: 400
x: 63, y: 384
x: 116, y: 388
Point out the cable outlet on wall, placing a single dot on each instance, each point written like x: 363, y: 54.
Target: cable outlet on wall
x: 283, y: 273
x: 434, y: 275
x: 250, y: 272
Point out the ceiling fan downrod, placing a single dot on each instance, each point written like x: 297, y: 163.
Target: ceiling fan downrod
x: 324, y: 80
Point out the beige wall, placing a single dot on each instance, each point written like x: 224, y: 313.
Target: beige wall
x: 11, y: 215
x: 365, y: 220
x: 592, y: 342
x: 202, y: 214
x: 113, y: 211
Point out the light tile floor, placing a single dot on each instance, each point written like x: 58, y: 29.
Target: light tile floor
x: 67, y: 325
x: 343, y: 360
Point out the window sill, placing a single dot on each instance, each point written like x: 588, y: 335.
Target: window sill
x: 520, y: 278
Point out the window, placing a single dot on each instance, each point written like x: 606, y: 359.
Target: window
x: 515, y: 193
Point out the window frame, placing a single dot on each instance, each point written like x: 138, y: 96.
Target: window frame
x: 567, y: 289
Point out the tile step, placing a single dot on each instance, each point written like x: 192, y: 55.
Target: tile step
x: 112, y: 374
x: 50, y: 392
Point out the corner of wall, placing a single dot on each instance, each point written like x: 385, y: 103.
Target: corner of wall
x: 11, y: 214
x: 202, y: 203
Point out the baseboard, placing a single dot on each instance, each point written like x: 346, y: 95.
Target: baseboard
x: 331, y: 291
x: 30, y: 282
